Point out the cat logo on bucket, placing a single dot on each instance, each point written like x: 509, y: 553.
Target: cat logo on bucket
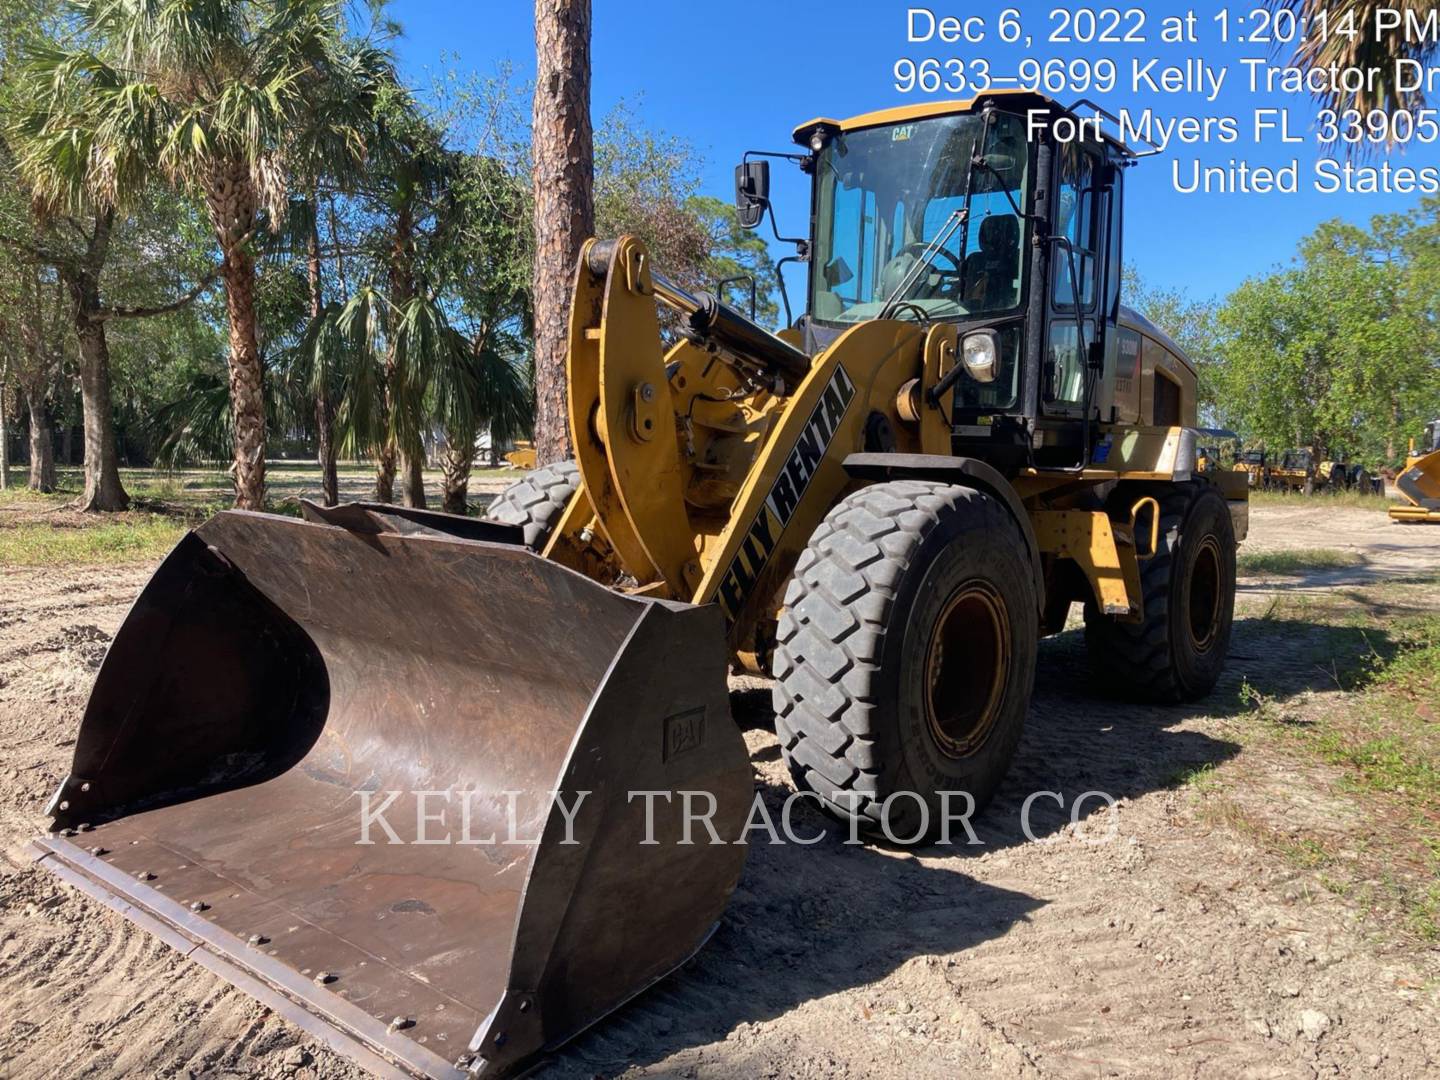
x: 786, y: 493
x: 683, y: 732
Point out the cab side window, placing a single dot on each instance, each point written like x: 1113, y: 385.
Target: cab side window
x: 1077, y: 219
x: 1074, y: 268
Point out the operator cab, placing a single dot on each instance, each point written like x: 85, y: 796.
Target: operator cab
x: 1297, y: 461
x: 952, y: 212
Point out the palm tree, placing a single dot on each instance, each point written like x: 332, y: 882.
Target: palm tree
x: 562, y: 143
x: 398, y: 349
x: 212, y: 98
x: 328, y: 152
x: 487, y: 390
x: 1365, y: 49
x: 409, y: 193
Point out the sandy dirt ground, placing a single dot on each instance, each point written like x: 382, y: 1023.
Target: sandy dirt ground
x: 1180, y: 947
x: 1389, y: 551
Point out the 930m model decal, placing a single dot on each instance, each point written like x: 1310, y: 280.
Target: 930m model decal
x: 789, y: 488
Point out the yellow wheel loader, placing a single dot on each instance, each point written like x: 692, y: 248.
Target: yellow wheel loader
x: 522, y: 457
x: 427, y: 784
x: 1218, y: 446
x: 1295, y: 472
x: 1419, y: 484
x: 1255, y: 466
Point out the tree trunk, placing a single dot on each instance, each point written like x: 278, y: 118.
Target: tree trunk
x: 562, y: 146
x: 103, y: 490
x: 232, y: 202
x: 385, y: 474
x: 42, y: 445
x: 325, y: 449
x: 4, y: 440
x: 247, y: 396
x: 402, y: 291
x: 414, y: 479
x: 455, y: 464
x: 324, y: 409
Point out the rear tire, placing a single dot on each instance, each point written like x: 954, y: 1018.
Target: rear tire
x: 536, y: 501
x: 1178, y: 651
x: 906, y: 655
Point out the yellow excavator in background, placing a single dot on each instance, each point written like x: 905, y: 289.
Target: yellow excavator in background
x: 883, y: 508
x: 1419, y: 484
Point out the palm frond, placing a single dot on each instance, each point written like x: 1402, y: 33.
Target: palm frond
x: 1365, y: 49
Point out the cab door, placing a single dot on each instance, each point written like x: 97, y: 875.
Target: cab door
x: 1084, y: 289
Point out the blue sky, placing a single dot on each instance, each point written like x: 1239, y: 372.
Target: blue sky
x: 732, y: 77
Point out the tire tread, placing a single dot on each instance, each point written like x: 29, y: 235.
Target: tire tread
x: 536, y: 501
x: 832, y: 631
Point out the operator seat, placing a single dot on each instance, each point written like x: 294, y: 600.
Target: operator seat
x: 988, y: 275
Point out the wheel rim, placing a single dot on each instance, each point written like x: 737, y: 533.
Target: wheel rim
x: 966, y: 668
x: 1205, y: 595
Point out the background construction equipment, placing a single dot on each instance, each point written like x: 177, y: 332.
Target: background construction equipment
x: 1419, y: 484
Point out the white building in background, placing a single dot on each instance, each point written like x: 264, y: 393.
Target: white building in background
x: 487, y: 451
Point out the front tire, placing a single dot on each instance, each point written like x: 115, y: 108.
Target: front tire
x: 906, y: 655
x: 1178, y: 651
x: 536, y: 501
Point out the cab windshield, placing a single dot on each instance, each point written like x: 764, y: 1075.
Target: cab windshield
x: 1296, y: 459
x: 886, y: 193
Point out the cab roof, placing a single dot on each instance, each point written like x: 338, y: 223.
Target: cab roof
x: 1011, y: 100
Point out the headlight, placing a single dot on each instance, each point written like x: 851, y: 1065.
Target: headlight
x: 980, y: 353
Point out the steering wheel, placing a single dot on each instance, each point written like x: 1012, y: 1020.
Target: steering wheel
x: 920, y: 249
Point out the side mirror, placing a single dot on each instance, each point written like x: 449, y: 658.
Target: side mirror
x: 752, y: 192
x: 1096, y: 357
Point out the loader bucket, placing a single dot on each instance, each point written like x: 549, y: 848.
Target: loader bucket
x: 1420, y: 485
x: 279, y: 680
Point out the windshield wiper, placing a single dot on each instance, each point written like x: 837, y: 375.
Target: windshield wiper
x: 955, y: 220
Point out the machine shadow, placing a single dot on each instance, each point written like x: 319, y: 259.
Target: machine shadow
x: 789, y: 934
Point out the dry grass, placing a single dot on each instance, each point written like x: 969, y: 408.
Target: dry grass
x: 1377, y: 733
x: 1296, y: 562
x: 40, y: 530
x: 123, y: 539
x: 1323, y: 497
